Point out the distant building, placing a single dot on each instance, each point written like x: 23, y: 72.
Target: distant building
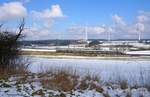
x: 79, y: 44
x: 120, y: 45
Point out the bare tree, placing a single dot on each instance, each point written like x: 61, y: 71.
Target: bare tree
x: 21, y: 28
x: 9, y: 47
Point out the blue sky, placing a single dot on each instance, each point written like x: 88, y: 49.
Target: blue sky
x: 82, y: 12
x: 93, y: 11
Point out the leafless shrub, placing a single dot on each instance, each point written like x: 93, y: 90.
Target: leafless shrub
x: 10, y: 61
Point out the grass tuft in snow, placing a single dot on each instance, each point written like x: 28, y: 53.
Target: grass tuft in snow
x: 67, y: 81
x: 123, y: 84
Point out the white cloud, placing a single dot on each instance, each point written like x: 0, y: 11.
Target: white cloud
x: 54, y: 12
x: 141, y: 23
x: 142, y: 18
x: 140, y: 27
x: 76, y: 29
x: 47, y: 17
x: 118, y: 20
x: 96, y: 29
x: 90, y: 29
x: 43, y: 22
x: 120, y: 28
x: 109, y: 29
x: 35, y: 33
x: 12, y: 10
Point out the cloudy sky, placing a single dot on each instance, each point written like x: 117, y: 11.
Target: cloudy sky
x: 69, y: 19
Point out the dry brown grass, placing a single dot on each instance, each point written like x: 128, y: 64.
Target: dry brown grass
x: 106, y: 95
x: 123, y: 84
x: 61, y: 80
x: 90, y: 82
x: 67, y: 80
x: 18, y: 68
x: 59, y: 53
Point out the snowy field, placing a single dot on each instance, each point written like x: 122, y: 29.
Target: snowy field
x: 144, y: 52
x: 134, y: 72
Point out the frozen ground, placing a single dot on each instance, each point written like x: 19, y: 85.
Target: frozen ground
x: 135, y: 72
x: 145, y: 52
x: 37, y: 50
x: 32, y: 87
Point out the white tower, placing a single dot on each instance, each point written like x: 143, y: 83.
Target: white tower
x: 109, y: 30
x: 140, y: 35
x: 109, y: 36
x: 86, y: 33
x: 140, y: 29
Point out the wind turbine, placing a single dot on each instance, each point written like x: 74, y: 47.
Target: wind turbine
x: 140, y: 29
x: 109, y: 30
x: 140, y: 33
x: 109, y: 36
x: 86, y: 33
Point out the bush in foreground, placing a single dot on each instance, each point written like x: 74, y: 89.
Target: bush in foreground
x: 10, y: 61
